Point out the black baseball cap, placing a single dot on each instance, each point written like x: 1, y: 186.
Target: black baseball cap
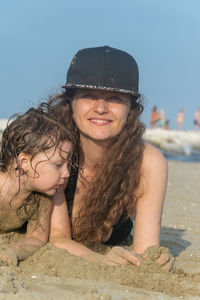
x: 103, y: 68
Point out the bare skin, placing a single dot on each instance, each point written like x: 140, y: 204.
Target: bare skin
x: 92, y: 111
x: 36, y: 235
x: 44, y: 174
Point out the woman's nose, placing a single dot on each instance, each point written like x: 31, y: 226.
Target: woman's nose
x: 101, y: 106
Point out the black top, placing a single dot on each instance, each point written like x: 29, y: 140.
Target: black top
x: 121, y: 230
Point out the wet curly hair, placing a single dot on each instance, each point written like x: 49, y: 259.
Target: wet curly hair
x: 37, y: 130
x: 113, y: 189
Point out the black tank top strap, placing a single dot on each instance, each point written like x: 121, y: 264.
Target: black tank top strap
x: 71, y: 189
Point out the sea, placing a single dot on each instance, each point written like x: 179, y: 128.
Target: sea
x: 177, y: 145
x: 194, y: 157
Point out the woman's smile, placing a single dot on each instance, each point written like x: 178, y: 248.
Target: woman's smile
x: 100, y: 122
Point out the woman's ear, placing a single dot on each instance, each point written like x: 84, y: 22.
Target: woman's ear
x: 23, y: 162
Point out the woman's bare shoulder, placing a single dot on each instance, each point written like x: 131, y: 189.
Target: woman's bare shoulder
x: 153, y: 158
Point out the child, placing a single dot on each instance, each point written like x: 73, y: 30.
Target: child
x: 34, y: 155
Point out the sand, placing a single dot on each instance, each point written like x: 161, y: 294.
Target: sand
x: 52, y: 273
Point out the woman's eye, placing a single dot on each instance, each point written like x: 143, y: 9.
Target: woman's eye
x: 88, y: 96
x: 115, y: 99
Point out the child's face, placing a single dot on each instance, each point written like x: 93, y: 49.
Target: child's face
x: 49, y: 170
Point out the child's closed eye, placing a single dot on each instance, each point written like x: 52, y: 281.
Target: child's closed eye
x: 59, y: 164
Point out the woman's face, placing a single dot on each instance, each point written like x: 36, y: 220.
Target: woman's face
x: 100, y: 115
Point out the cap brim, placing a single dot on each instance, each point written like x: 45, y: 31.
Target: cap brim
x: 95, y: 87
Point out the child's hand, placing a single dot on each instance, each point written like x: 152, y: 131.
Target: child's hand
x: 8, y: 257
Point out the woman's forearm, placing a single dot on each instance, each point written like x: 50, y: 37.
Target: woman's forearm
x: 76, y: 248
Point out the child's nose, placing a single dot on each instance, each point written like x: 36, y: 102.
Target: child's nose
x: 65, y: 173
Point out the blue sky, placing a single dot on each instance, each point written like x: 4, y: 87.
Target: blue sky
x: 38, y: 39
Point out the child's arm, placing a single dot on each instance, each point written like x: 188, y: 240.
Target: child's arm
x: 36, y: 236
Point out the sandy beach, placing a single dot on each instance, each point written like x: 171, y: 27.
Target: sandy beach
x: 52, y: 273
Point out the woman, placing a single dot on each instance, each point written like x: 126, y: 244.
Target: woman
x: 119, y: 177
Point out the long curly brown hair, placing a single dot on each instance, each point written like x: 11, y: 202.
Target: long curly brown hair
x: 113, y: 189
